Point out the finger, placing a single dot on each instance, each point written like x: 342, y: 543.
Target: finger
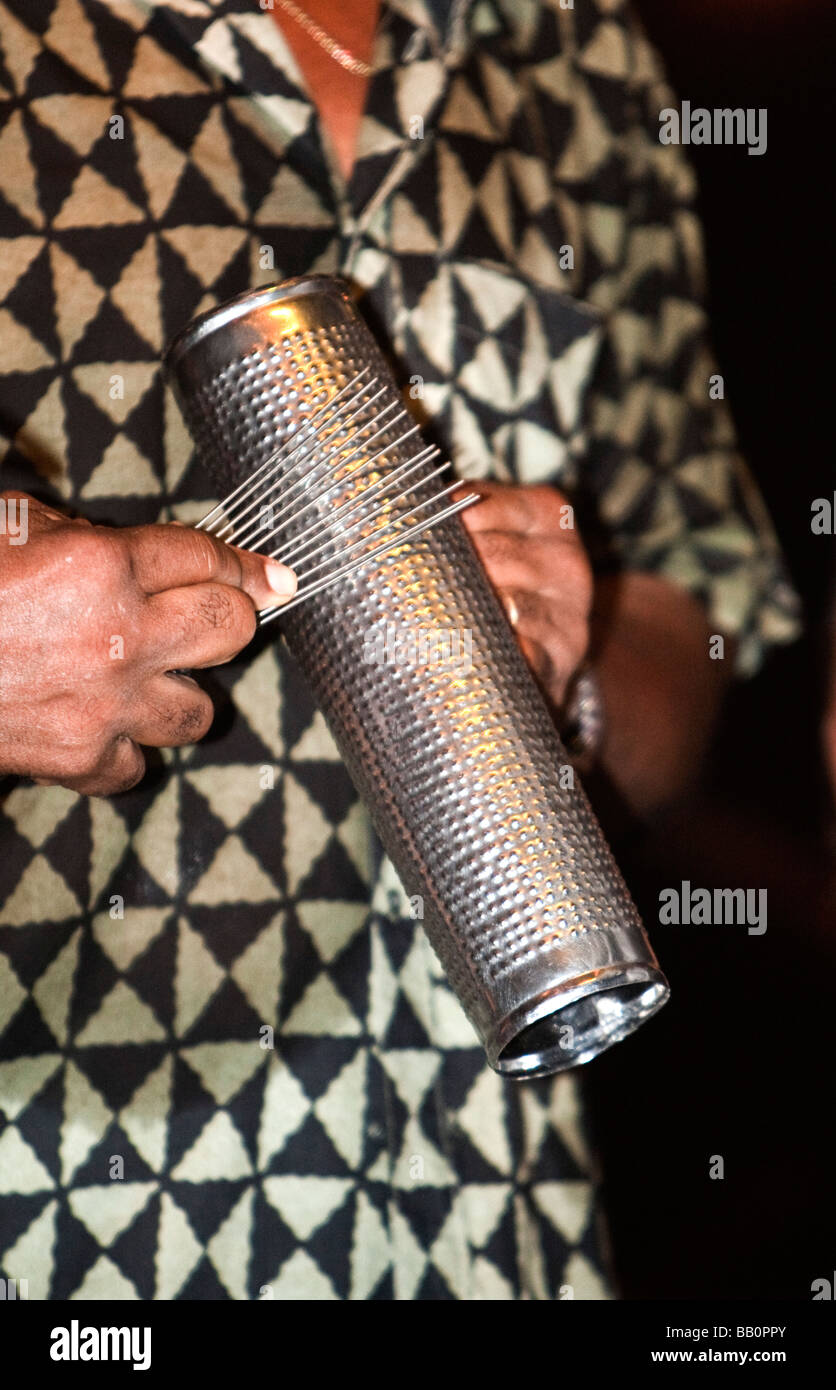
x: 268, y: 582
x: 517, y: 562
x: 521, y: 510
x: 121, y: 767
x: 202, y: 625
x: 561, y: 636
x: 473, y: 516
x: 502, y: 507
x: 557, y: 573
x: 38, y: 517
x: 536, y: 657
x: 173, y: 710
x: 173, y: 557
x: 552, y: 675
x: 530, y: 614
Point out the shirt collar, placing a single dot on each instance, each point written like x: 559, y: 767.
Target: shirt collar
x: 441, y: 20
x: 242, y: 43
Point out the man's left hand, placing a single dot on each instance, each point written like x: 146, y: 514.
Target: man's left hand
x: 529, y: 545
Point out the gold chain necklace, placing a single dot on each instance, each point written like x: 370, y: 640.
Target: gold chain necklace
x: 334, y: 50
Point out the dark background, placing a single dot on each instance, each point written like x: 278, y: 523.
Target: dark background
x: 741, y: 1061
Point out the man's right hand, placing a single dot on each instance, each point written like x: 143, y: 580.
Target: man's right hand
x: 93, y: 621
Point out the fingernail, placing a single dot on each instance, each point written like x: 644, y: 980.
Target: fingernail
x: 281, y: 579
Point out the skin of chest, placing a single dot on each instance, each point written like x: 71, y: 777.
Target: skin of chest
x: 340, y: 95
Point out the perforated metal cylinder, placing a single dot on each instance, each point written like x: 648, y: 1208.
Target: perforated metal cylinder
x: 449, y: 743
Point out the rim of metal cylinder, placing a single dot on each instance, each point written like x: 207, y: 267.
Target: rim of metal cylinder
x: 222, y: 314
x: 600, y: 1008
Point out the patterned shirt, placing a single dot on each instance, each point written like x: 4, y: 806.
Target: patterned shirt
x: 230, y: 1066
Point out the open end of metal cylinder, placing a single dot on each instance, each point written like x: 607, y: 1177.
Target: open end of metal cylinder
x: 576, y: 1030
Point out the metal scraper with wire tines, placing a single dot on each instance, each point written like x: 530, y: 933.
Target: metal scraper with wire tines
x: 327, y: 462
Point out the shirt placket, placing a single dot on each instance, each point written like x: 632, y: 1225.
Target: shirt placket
x: 411, y: 83
x: 293, y: 117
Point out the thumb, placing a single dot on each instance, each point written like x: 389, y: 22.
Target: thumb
x: 268, y: 582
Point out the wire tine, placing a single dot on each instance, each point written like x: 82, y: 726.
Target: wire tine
x: 338, y: 478
x: 250, y: 532
x: 375, y: 489
x: 353, y: 474
x: 219, y: 514
x: 288, y: 497
x: 203, y: 524
x: 364, y: 540
x: 382, y: 531
x: 269, y: 614
x: 277, y: 477
x: 303, y: 441
x: 371, y: 516
x: 325, y: 462
x: 306, y: 431
x: 300, y: 446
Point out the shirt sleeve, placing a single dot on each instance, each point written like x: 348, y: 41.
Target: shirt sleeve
x: 665, y: 489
